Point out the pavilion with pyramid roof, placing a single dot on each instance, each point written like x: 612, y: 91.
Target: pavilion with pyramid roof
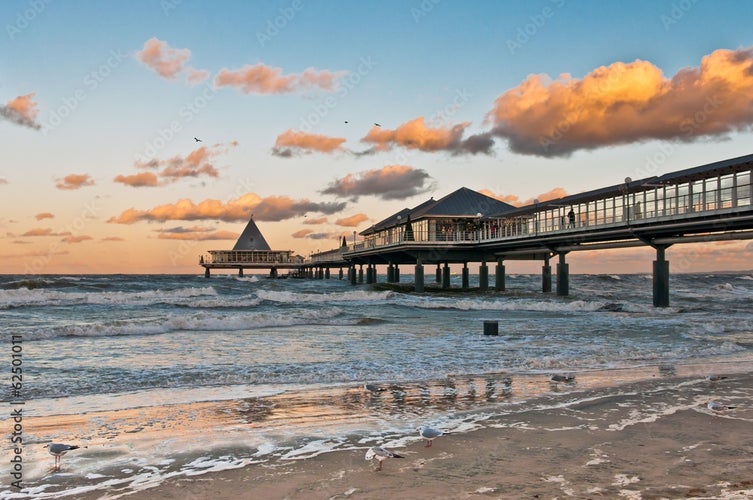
x: 251, y: 251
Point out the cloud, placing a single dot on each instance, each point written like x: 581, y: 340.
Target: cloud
x: 195, y: 233
x: 143, y: 179
x: 302, y: 233
x: 74, y: 181
x: 627, y: 102
x: 416, y: 135
x: 292, y: 141
x: 272, y: 208
x: 164, y: 60
x: 3, y: 181
x: 196, y: 76
x: 392, y: 182
x: 261, y: 79
x: 76, y: 239
x: 197, y: 163
x: 113, y: 238
x: 514, y: 200
x: 352, y: 221
x: 44, y: 215
x: 44, y: 231
x: 21, y: 110
x: 315, y: 221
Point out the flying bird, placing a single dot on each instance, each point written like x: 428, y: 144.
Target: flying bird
x: 373, y: 388
x: 380, y: 454
x: 197, y: 139
x: 377, y: 125
x: 57, y: 450
x: 429, y: 434
x: 346, y: 121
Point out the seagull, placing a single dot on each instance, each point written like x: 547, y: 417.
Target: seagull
x: 568, y: 378
x: 197, y: 140
x: 58, y: 450
x: 377, y: 125
x: 715, y: 378
x: 380, y: 454
x: 373, y: 388
x: 430, y: 434
x: 715, y: 406
x: 346, y: 121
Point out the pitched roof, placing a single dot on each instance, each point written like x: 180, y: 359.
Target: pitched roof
x: 251, y: 238
x: 463, y: 202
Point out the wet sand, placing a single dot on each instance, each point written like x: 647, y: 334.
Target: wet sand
x: 652, y: 440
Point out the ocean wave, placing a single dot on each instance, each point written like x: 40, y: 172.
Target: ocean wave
x: 197, y: 322
x: 22, y: 297
x: 335, y: 297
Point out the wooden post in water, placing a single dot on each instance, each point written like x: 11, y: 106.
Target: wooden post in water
x: 546, y: 276
x: 418, y: 276
x: 446, y: 275
x: 466, y: 283
x: 491, y: 327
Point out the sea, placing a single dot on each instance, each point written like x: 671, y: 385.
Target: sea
x: 163, y: 376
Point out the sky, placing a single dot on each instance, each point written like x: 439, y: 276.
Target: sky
x: 136, y: 136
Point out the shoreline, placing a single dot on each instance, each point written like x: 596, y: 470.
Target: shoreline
x: 647, y: 442
x: 673, y: 393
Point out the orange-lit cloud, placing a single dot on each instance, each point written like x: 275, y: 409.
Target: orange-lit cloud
x: 311, y: 221
x: 261, y: 79
x: 21, y: 110
x: 142, y: 179
x: 627, y: 102
x: 352, y: 221
x: 3, y: 181
x: 44, y: 231
x: 76, y: 239
x: 168, y: 62
x: 514, y: 200
x: 272, y: 208
x: 292, y: 141
x: 113, y: 238
x: 392, y: 182
x: 416, y: 135
x: 302, y: 233
x: 198, y: 162
x: 74, y: 181
x: 44, y: 215
x: 195, y: 233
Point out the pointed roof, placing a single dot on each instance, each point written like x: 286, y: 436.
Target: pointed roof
x: 463, y: 202
x: 251, y: 238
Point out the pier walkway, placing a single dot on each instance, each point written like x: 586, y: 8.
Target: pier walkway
x: 702, y: 204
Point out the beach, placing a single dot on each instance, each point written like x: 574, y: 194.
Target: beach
x: 652, y: 436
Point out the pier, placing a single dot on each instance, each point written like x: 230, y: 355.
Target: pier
x: 701, y: 204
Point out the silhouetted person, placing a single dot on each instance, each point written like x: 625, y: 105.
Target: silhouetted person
x: 571, y: 218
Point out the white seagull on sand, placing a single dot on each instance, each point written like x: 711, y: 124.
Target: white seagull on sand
x: 380, y: 454
x: 429, y: 434
x: 716, y: 406
x: 57, y: 450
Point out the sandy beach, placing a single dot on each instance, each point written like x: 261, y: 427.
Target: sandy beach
x: 656, y: 438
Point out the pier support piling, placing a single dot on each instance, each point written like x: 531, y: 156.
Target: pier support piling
x: 563, y: 276
x: 546, y: 277
x: 446, y: 275
x: 419, y: 277
x: 466, y: 283
x: 390, y: 273
x: 369, y: 275
x: 326, y: 273
x: 240, y: 272
x: 483, y: 276
x: 206, y: 272
x: 397, y: 274
x: 439, y: 273
x: 499, y: 278
x: 661, y: 278
x: 360, y: 273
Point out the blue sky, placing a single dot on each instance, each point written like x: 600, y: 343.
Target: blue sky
x: 95, y: 110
